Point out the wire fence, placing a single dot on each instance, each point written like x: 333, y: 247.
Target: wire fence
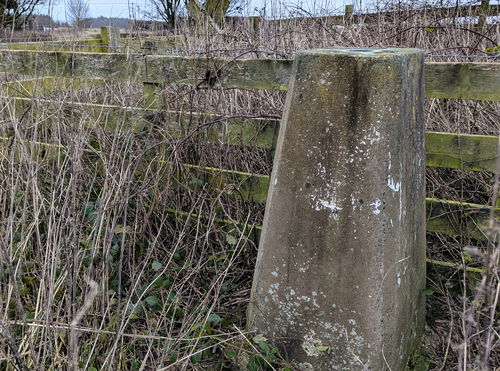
x: 175, y: 51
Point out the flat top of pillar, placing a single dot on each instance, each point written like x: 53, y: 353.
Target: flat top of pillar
x: 366, y: 52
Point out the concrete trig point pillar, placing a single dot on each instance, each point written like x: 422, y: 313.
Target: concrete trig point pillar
x: 341, y: 266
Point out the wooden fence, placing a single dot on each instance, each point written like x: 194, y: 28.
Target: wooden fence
x: 470, y: 81
x: 401, y: 14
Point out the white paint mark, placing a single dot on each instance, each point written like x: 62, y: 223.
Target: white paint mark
x: 376, y: 204
x: 330, y: 205
x: 395, y: 186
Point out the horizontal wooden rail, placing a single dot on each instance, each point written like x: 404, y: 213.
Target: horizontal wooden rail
x: 443, y: 216
x: 461, y: 151
x: 391, y: 16
x: 84, y: 45
x: 478, y: 81
x: 253, y: 231
x: 445, y: 150
x: 448, y: 217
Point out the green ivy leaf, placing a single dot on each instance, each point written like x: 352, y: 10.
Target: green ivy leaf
x: 230, y: 239
x: 196, y: 358
x: 156, y: 266
x: 254, y: 364
x: 265, y: 347
x: 196, y: 182
x: 259, y: 338
x: 151, y: 300
x: 115, y: 251
x: 89, y: 208
x: 214, y: 319
x: 173, y: 357
x: 428, y: 291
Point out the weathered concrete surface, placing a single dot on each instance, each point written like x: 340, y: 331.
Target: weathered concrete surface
x: 341, y: 266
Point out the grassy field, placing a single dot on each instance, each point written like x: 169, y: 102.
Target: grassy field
x: 113, y: 258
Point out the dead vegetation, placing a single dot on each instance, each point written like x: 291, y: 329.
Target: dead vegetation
x: 113, y: 258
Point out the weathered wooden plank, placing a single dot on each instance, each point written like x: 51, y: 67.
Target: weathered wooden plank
x: 461, y: 151
x: 446, y: 150
x: 114, y: 66
x: 448, y: 217
x: 232, y: 130
x: 84, y: 45
x: 253, y: 231
x: 456, y: 218
x: 479, y: 81
x: 391, y: 16
x: 41, y: 86
x: 434, y: 13
x: 110, y: 39
x: 246, y: 73
x: 247, y: 186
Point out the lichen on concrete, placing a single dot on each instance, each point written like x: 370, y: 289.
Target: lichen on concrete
x: 341, y: 262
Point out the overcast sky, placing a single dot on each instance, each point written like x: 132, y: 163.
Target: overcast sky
x: 125, y: 8
x: 105, y: 8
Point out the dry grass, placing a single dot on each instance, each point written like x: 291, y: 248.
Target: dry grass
x: 100, y: 273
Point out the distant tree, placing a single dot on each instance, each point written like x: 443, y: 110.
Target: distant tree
x: 14, y: 13
x: 215, y: 10
x: 167, y: 10
x: 78, y: 13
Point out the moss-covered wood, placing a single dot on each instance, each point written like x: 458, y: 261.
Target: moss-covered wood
x: 253, y: 231
x: 458, y: 218
x: 446, y: 150
x: 448, y: 217
x: 392, y: 16
x: 246, y: 186
x: 478, y: 81
x: 461, y: 151
x: 443, y: 216
x: 92, y: 45
x: 110, y: 37
x: 228, y: 130
x: 36, y: 87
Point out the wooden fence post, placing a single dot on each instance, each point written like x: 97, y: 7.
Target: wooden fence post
x: 340, y: 271
x: 151, y: 91
x: 110, y: 37
x: 349, y: 12
x: 481, y: 22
